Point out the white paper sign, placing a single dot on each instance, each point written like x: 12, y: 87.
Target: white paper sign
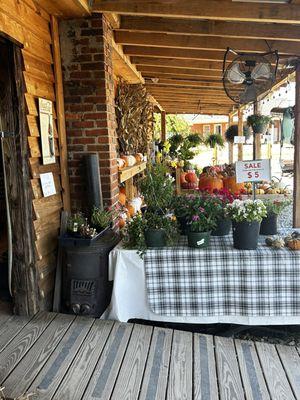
x: 48, y: 185
x: 240, y: 139
x: 253, y: 171
x: 47, y: 135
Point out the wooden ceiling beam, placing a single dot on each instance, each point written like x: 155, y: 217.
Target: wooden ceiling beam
x: 176, y: 63
x: 204, y: 9
x: 188, y: 83
x: 204, y: 42
x: 166, y: 52
x: 65, y: 8
x: 249, y: 30
x: 166, y: 70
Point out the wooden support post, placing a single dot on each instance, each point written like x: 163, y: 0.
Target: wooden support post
x: 60, y: 111
x: 178, y: 184
x: 296, y: 218
x: 230, y: 144
x: 240, y: 131
x: 163, y: 126
x: 256, y: 138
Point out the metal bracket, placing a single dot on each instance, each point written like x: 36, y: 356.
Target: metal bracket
x: 6, y: 134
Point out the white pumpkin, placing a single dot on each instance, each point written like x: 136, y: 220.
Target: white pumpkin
x: 120, y: 163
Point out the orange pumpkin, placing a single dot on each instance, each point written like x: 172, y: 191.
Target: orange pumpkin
x: 210, y: 182
x: 129, y: 160
x: 139, y: 157
x: 122, y: 223
x: 121, y: 163
x: 125, y: 159
x: 191, y: 177
x: 231, y: 184
x: 130, y: 210
x: 122, y: 189
x: 122, y: 199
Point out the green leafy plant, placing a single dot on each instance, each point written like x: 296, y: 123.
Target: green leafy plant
x: 233, y: 130
x: 258, y: 123
x: 276, y: 206
x: 214, y: 140
x: 102, y: 218
x: 183, y: 148
x: 202, y: 213
x: 157, y: 188
x: 247, y: 210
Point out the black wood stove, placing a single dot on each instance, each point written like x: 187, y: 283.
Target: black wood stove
x: 86, y: 287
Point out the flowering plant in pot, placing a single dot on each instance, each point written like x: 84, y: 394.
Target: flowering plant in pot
x: 182, y: 211
x: 219, y: 200
x: 246, y: 217
x: 102, y: 218
x: 259, y: 123
x: 274, y: 208
x: 201, y: 222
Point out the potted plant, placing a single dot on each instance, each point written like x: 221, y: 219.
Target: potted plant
x: 214, y: 140
x: 201, y: 221
x: 220, y: 199
x: 259, y: 123
x: 269, y: 223
x: 181, y: 210
x: 75, y: 223
x: 233, y: 130
x: 246, y: 217
x: 158, y: 188
x: 102, y: 218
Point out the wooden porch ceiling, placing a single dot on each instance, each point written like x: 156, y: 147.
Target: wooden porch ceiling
x: 178, y: 46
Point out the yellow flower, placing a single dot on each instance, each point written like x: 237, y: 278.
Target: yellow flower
x: 167, y: 146
x: 173, y: 164
x: 158, y: 157
x: 180, y: 163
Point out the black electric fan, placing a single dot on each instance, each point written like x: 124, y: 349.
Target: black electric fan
x: 248, y: 75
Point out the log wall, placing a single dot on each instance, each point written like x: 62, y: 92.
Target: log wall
x: 23, y: 22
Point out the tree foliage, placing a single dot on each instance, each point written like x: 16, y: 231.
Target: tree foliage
x: 175, y: 124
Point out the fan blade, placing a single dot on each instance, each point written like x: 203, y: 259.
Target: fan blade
x: 249, y: 95
x: 261, y: 70
x: 235, y: 75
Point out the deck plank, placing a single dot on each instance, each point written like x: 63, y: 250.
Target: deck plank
x: 230, y: 383
x: 129, y: 380
x: 18, y: 382
x: 155, y: 380
x: 10, y: 329
x: 252, y: 375
x: 275, y: 376
x: 105, y: 374
x: 205, y: 376
x: 78, y: 375
x: 48, y: 380
x: 291, y: 363
x: 18, y: 347
x: 180, y: 385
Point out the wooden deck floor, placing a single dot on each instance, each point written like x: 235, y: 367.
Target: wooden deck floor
x: 56, y: 356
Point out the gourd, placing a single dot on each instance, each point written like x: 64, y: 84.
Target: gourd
x: 121, y: 163
x: 130, y: 210
x: 139, y: 158
x: 130, y: 161
x: 231, y: 184
x: 182, y: 177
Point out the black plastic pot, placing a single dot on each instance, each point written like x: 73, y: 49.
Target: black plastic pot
x: 269, y: 225
x: 223, y: 228
x: 155, y: 238
x: 245, y: 235
x: 183, y: 225
x: 259, y: 128
x: 198, y: 240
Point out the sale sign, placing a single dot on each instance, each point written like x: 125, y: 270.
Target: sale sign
x: 253, y: 171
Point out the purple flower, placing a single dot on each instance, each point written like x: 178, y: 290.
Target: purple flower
x: 195, y: 218
x: 201, y: 209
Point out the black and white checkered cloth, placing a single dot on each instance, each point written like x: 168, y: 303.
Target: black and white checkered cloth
x: 223, y: 281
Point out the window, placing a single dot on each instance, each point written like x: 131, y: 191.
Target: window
x: 218, y: 129
x: 206, y: 129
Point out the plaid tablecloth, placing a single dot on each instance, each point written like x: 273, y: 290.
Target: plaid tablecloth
x: 221, y: 280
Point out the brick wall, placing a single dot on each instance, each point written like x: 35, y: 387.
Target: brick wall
x: 89, y: 103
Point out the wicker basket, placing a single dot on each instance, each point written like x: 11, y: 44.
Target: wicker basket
x: 294, y: 244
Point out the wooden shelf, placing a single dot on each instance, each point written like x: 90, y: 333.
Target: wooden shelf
x: 130, y: 172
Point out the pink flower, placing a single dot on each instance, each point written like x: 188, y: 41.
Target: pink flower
x: 195, y: 218
x: 201, y: 209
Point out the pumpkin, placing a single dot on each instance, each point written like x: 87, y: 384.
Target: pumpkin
x: 129, y: 160
x: 210, y: 180
x: 139, y: 157
x: 232, y: 186
x: 122, y: 189
x: 122, y: 199
x: 121, y: 163
x: 130, y: 210
x: 136, y: 203
x: 191, y: 177
x: 182, y: 177
x: 121, y: 222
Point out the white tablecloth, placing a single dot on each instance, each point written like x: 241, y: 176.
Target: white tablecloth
x: 129, y: 297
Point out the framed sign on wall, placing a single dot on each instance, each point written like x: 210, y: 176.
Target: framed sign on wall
x: 47, y: 133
